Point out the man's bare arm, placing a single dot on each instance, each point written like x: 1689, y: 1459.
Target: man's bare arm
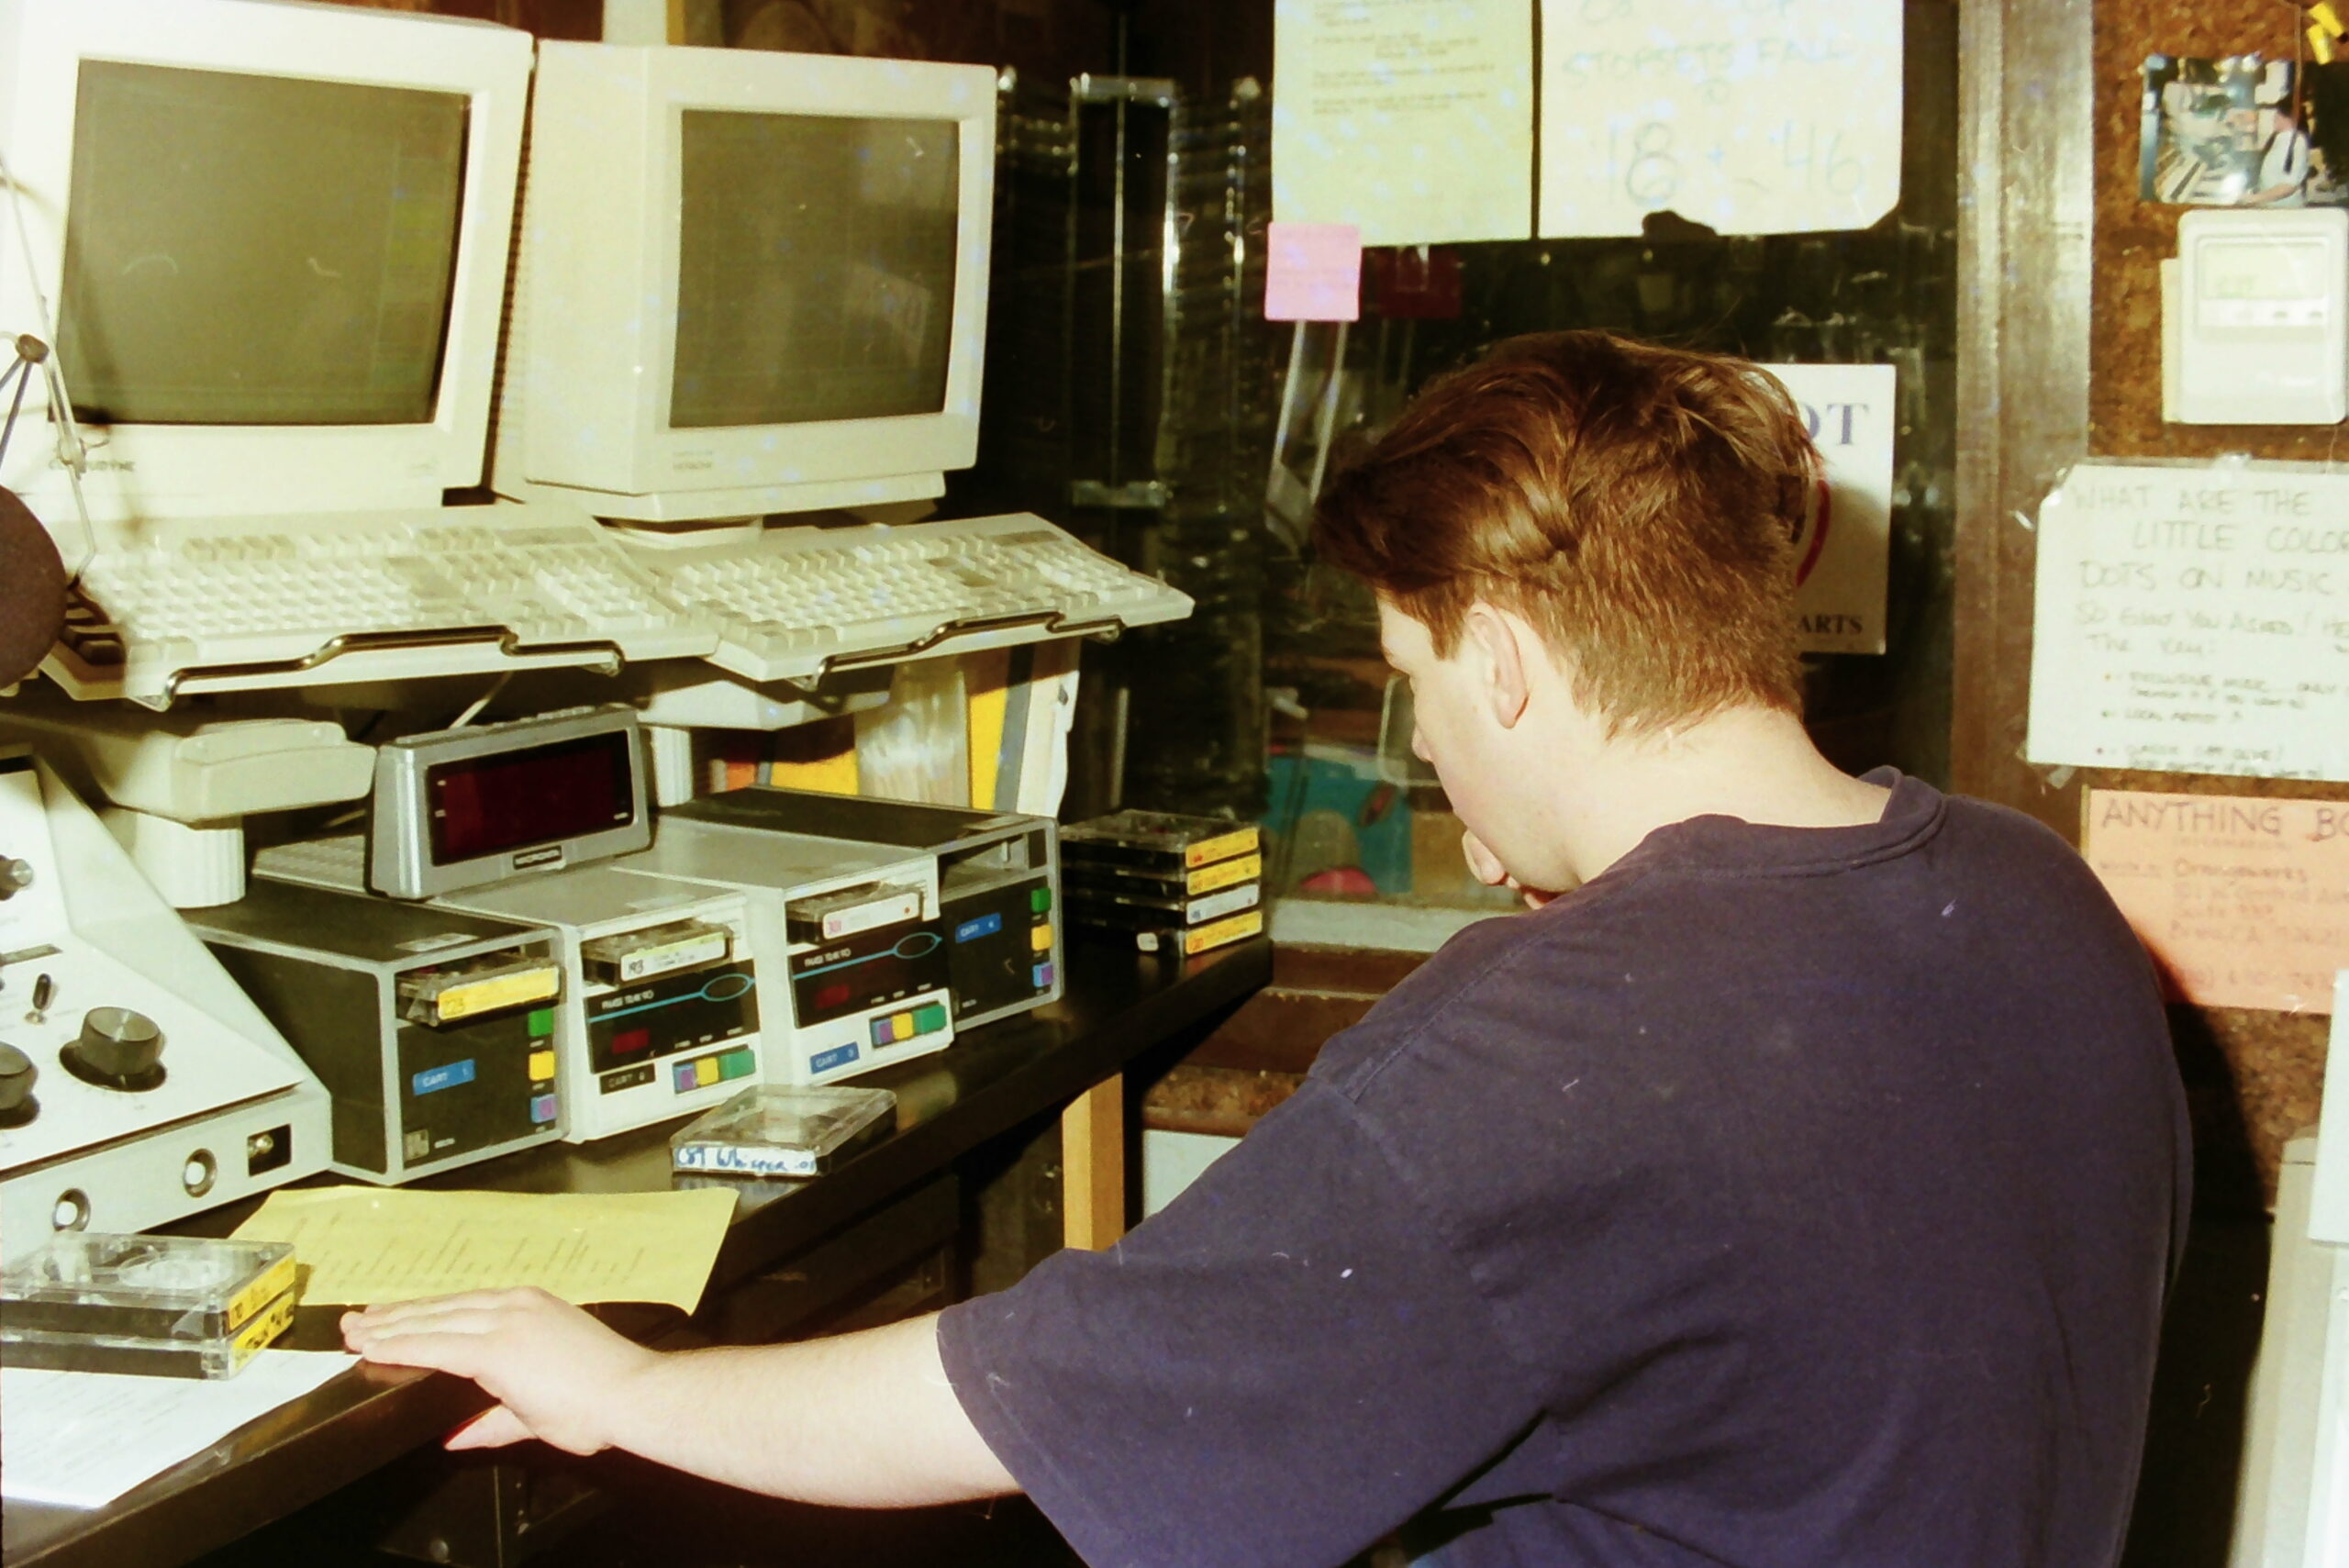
x: 862, y: 1420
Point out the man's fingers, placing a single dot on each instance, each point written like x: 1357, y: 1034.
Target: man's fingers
x: 460, y: 1342
x: 494, y: 1428
x: 1483, y: 864
x: 401, y: 1311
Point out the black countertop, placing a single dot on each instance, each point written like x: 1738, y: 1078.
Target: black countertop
x: 1118, y: 1005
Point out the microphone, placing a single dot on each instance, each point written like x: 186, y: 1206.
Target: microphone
x: 32, y: 591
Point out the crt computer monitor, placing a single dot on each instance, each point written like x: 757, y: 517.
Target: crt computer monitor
x: 272, y: 241
x: 748, y: 283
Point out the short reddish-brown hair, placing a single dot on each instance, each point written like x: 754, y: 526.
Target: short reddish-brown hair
x: 1637, y: 505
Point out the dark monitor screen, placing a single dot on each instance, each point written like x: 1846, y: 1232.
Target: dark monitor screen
x: 494, y: 805
x: 247, y: 249
x: 815, y: 268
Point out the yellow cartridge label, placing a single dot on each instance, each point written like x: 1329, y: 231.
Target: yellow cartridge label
x: 1199, y: 938
x: 1222, y: 847
x: 273, y: 1282
x: 267, y: 1324
x: 489, y: 995
x: 1225, y: 873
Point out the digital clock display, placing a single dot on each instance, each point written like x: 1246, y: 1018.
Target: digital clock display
x: 493, y: 806
x: 2261, y: 272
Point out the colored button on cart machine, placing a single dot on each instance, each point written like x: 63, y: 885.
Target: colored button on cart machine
x: 897, y: 1028
x: 719, y: 1067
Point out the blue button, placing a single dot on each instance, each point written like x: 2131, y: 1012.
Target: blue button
x: 1043, y: 975
x: 825, y: 1061
x: 437, y: 1078
x: 543, y: 1108
x: 985, y: 926
x: 684, y: 1077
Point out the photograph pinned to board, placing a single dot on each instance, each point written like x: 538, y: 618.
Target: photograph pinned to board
x: 2234, y: 132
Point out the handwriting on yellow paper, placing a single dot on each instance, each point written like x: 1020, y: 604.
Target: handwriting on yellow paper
x: 365, y: 1245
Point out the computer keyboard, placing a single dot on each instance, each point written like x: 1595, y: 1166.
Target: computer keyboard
x: 338, y: 862
x: 237, y: 604
x: 251, y: 602
x: 791, y: 602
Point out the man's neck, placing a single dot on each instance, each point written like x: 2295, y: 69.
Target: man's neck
x: 1753, y: 763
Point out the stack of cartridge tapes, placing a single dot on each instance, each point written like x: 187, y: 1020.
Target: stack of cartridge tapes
x: 1180, y: 884
x: 171, y: 1306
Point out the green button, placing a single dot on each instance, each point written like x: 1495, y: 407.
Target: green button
x: 1039, y: 899
x: 738, y: 1064
x: 542, y: 1022
x: 929, y: 1020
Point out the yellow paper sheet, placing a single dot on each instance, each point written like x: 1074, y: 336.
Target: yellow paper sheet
x: 367, y: 1245
x: 2243, y: 901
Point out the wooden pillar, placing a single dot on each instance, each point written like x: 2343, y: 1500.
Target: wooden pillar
x: 1093, y: 1166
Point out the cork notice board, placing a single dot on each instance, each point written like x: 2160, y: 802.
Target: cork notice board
x: 2260, y: 1073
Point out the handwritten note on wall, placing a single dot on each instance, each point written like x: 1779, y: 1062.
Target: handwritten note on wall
x: 2193, y: 620
x: 2244, y: 902
x: 1410, y: 119
x: 1763, y: 117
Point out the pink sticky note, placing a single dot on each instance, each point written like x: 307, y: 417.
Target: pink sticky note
x: 1312, y: 271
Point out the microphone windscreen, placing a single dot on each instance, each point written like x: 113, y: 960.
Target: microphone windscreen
x: 32, y: 591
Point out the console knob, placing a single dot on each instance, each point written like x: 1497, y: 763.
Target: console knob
x: 16, y: 1075
x: 117, y: 1047
x: 15, y: 877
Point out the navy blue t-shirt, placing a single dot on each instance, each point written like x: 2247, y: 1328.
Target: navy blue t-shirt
x: 1782, y: 1197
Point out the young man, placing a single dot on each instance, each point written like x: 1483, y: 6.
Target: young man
x: 1799, y: 1189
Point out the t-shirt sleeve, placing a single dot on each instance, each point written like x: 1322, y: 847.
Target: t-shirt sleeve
x: 1277, y: 1368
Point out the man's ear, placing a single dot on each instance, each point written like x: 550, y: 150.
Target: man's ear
x: 1501, y: 657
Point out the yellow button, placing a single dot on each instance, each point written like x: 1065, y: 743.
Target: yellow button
x: 706, y: 1071
x: 1041, y: 938
x: 542, y: 1066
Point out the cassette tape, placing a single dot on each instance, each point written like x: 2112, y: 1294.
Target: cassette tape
x: 179, y: 1307
x: 1194, y: 940
x: 1157, y: 843
x: 1135, y: 912
x: 1125, y: 881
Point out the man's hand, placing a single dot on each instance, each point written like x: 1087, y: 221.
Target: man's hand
x: 1486, y: 868
x: 557, y: 1374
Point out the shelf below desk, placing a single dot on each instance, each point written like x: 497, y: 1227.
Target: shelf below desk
x: 1120, y: 1004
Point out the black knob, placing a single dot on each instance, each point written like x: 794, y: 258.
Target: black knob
x: 16, y: 1075
x: 117, y: 1047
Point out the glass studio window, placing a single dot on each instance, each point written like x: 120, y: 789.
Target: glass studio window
x: 1135, y: 395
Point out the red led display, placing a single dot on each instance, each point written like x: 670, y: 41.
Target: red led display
x: 489, y: 805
